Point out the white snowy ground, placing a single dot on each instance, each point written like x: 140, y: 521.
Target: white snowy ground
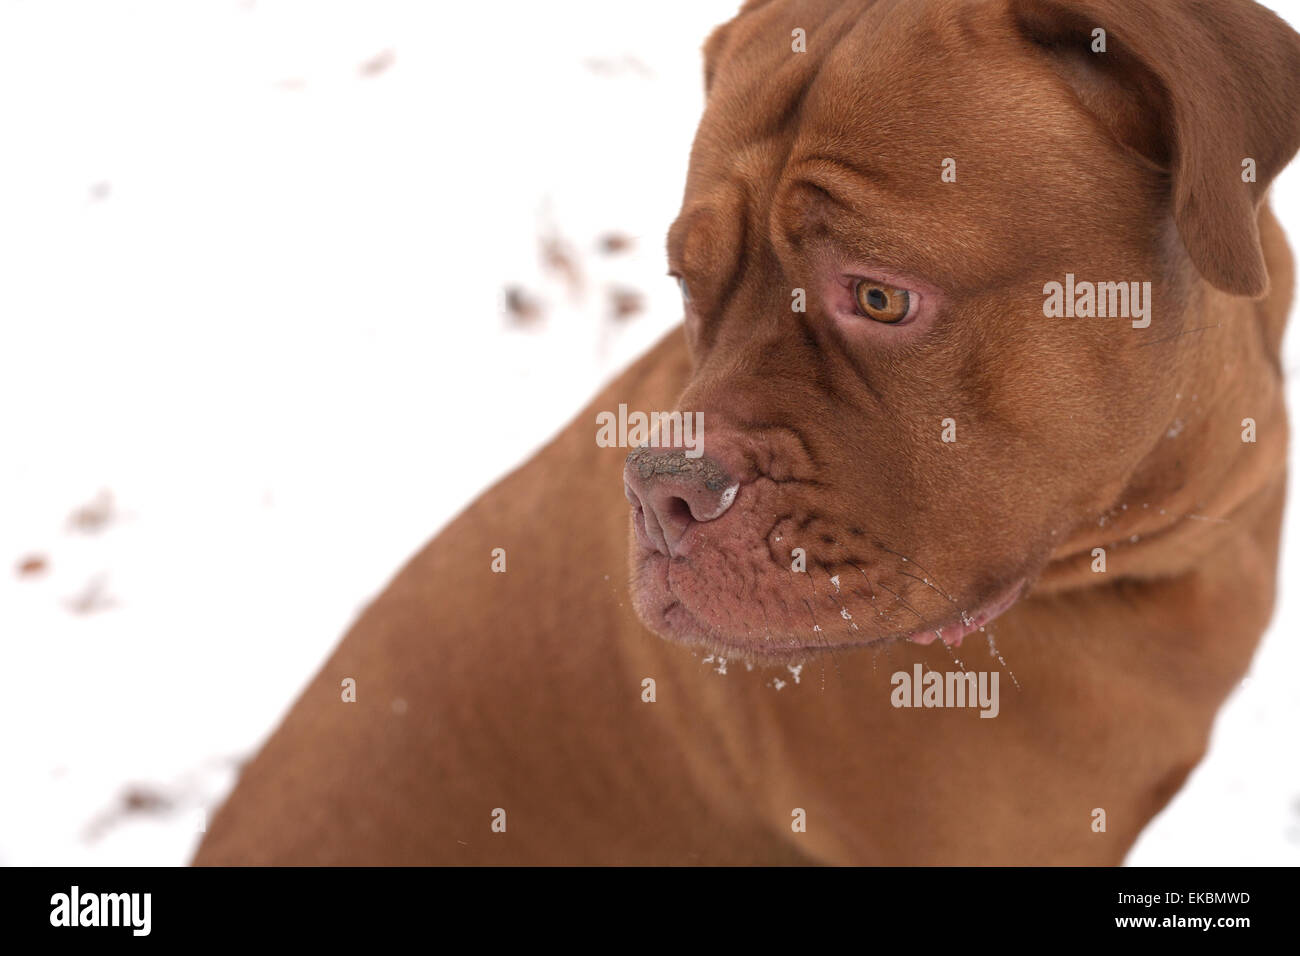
x: 252, y: 316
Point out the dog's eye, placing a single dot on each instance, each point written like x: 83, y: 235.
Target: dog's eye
x: 686, y: 293
x: 880, y: 302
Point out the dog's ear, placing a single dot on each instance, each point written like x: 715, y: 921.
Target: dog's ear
x: 1209, y: 90
x: 713, y: 53
x: 715, y: 45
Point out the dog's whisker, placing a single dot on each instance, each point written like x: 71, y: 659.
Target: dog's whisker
x: 1170, y: 338
x: 767, y: 625
x: 901, y: 600
x: 817, y: 629
x: 993, y: 649
x: 928, y: 575
x: 881, y: 615
x: 867, y: 578
x: 1208, y: 518
x: 952, y: 653
x: 926, y: 582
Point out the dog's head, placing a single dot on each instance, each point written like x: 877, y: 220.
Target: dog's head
x: 905, y: 420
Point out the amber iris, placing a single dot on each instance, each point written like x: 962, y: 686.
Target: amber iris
x: 880, y: 302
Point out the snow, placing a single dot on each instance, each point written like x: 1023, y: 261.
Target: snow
x: 269, y: 269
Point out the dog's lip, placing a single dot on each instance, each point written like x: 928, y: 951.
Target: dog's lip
x: 966, y: 623
x: 951, y: 631
x: 772, y: 651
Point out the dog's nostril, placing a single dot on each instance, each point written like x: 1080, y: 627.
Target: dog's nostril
x: 677, y: 509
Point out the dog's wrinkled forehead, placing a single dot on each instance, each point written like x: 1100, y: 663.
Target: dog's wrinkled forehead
x: 1047, y: 109
x: 780, y: 64
x: 864, y: 102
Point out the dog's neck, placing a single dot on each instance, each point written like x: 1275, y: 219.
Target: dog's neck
x: 1218, y: 464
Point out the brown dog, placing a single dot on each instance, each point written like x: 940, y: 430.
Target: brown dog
x: 905, y: 439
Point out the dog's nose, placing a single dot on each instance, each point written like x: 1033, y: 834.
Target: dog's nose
x: 669, y: 491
